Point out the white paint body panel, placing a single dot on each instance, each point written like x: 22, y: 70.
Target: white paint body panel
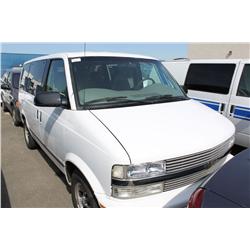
x: 168, y: 130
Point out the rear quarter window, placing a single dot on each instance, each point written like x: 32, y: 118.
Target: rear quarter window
x: 215, y: 78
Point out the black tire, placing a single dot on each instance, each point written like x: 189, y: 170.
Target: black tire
x: 81, y: 192
x: 15, y: 119
x: 5, y: 109
x: 30, y: 142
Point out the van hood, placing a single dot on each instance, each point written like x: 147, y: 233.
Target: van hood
x: 166, y: 130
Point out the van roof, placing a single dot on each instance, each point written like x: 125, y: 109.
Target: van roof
x: 90, y: 54
x: 186, y: 60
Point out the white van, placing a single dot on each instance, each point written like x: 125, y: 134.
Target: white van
x: 121, y: 129
x: 223, y: 85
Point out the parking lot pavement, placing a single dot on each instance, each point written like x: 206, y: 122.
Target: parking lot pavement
x: 29, y: 178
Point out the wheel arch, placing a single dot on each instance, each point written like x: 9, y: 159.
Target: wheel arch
x: 73, y: 162
x: 23, y: 119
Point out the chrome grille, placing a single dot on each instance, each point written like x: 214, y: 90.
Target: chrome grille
x: 187, y: 179
x: 205, y: 158
x: 184, y: 163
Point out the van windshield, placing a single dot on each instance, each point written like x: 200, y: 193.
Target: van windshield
x: 101, y: 82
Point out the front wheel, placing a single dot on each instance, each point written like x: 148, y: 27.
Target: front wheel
x: 82, y: 194
x: 30, y: 142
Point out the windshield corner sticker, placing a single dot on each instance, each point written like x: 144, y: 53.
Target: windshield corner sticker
x: 76, y: 60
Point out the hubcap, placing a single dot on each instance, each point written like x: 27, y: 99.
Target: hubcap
x: 82, y: 197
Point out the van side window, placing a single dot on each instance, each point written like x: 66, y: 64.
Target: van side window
x: 207, y: 77
x: 244, y: 85
x: 24, y: 78
x: 56, y: 80
x: 35, y: 76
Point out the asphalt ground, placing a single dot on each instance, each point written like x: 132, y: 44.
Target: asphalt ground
x: 28, y: 177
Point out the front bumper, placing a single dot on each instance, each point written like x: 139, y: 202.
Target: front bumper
x: 175, y: 198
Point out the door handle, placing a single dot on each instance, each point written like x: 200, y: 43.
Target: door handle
x: 232, y: 110
x: 40, y: 116
x: 37, y: 114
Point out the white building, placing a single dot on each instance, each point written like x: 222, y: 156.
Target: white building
x: 218, y: 50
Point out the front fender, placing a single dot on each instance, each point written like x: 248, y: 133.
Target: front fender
x: 85, y: 170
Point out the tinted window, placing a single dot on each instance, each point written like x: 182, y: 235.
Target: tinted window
x: 24, y: 78
x: 215, y: 78
x: 244, y: 85
x: 56, y: 80
x: 35, y: 75
x: 15, y: 79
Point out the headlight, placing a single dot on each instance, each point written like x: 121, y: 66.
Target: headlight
x: 140, y: 171
x: 124, y: 178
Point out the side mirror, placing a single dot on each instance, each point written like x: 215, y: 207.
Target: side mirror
x: 50, y: 99
x: 5, y: 86
x: 184, y: 88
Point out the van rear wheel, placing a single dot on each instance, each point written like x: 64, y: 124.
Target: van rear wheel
x: 30, y: 142
x: 82, y: 194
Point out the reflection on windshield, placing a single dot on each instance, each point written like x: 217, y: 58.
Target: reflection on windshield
x: 116, y: 79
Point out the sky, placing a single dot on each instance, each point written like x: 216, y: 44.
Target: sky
x: 161, y: 51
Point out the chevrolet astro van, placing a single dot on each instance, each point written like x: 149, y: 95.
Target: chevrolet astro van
x: 121, y: 129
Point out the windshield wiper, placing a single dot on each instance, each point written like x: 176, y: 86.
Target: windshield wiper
x: 164, y: 97
x: 107, y: 99
x: 124, y: 99
x: 158, y: 97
